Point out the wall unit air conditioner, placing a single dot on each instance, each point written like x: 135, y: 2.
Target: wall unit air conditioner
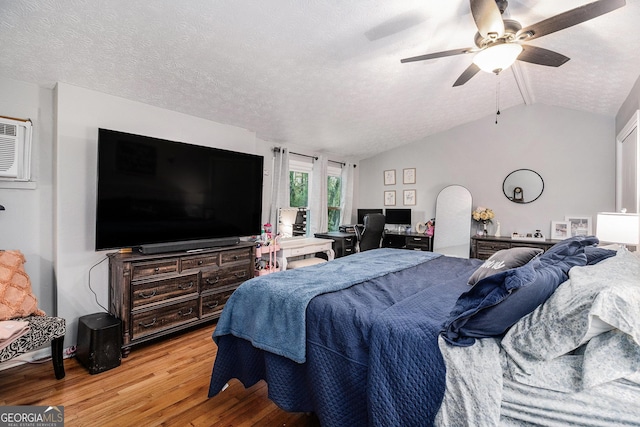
x: 15, y: 149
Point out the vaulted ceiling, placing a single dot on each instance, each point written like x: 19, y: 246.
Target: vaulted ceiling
x: 320, y: 73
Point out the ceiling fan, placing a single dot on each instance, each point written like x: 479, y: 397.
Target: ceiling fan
x: 499, y: 42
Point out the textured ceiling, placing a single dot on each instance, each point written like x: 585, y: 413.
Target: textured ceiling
x: 319, y: 73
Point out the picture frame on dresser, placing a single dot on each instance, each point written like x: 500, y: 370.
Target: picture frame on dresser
x: 560, y: 230
x: 580, y: 225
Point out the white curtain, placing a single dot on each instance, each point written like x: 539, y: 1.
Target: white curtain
x: 319, y: 219
x: 279, y: 185
x: 346, y: 198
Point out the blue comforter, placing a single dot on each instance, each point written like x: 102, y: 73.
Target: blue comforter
x: 372, y: 356
x: 270, y: 310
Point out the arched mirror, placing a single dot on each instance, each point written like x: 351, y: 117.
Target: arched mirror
x: 453, y: 222
x: 523, y: 186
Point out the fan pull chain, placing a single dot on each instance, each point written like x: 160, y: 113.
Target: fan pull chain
x: 497, y: 98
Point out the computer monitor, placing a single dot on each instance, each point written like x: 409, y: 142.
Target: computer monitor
x: 363, y: 212
x: 398, y: 216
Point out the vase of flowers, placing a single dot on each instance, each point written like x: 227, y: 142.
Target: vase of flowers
x: 483, y: 216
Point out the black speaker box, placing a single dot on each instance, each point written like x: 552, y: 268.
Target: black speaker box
x: 99, y: 342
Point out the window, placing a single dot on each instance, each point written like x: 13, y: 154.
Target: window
x: 299, y: 171
x: 299, y: 182
x: 299, y: 193
x: 334, y: 191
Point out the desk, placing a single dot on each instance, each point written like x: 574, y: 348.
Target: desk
x: 299, y: 246
x: 343, y: 243
x: 414, y: 241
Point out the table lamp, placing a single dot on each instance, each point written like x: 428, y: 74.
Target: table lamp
x: 616, y: 227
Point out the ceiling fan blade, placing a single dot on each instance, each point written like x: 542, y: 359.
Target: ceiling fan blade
x: 471, y: 71
x: 570, y: 18
x: 488, y: 18
x: 541, y: 56
x: 437, y: 55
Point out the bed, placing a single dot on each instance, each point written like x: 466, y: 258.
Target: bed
x: 396, y: 337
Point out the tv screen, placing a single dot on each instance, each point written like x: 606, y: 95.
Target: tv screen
x: 152, y: 190
x: 398, y: 216
x: 363, y: 212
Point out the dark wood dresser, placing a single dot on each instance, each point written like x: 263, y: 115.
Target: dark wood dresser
x: 155, y: 295
x: 484, y: 247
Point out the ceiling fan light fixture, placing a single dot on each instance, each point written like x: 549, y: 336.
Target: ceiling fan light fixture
x: 498, y: 57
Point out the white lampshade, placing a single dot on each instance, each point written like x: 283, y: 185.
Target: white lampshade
x: 616, y: 227
x: 497, y: 58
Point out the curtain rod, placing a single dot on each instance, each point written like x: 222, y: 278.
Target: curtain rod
x: 279, y: 149
x: 17, y: 119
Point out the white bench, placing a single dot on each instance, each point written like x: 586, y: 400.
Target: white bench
x: 305, y: 262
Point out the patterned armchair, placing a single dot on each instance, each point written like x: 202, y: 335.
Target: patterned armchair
x: 24, y: 326
x: 42, y: 330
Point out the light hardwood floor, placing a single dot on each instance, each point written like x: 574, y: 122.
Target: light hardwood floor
x: 164, y: 383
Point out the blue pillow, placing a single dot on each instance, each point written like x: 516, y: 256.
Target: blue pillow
x: 596, y: 254
x: 497, y: 302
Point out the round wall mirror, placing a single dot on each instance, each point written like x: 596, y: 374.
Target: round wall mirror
x: 523, y: 186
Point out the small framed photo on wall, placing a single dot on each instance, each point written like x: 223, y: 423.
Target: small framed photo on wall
x: 390, y: 198
x: 409, y: 176
x: 409, y: 197
x: 580, y: 225
x: 560, y: 230
x: 390, y: 177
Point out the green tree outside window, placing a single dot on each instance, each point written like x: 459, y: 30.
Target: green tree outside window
x: 333, y: 201
x: 299, y: 189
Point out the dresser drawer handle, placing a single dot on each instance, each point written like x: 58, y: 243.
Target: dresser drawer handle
x: 180, y: 313
x: 236, y: 257
x: 241, y: 274
x: 183, y: 287
x: 156, y: 270
x: 148, y: 325
x: 212, y: 282
x: 213, y: 305
x: 147, y: 296
x: 200, y: 262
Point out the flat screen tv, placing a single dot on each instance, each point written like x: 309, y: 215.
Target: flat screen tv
x: 154, y: 191
x: 397, y: 216
x: 364, y: 212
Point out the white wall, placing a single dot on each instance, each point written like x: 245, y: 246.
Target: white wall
x: 26, y: 224
x: 574, y: 152
x: 80, y: 112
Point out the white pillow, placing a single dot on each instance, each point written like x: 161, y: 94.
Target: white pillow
x: 597, y: 326
x: 608, y: 290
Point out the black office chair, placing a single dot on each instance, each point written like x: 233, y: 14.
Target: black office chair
x: 371, y: 234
